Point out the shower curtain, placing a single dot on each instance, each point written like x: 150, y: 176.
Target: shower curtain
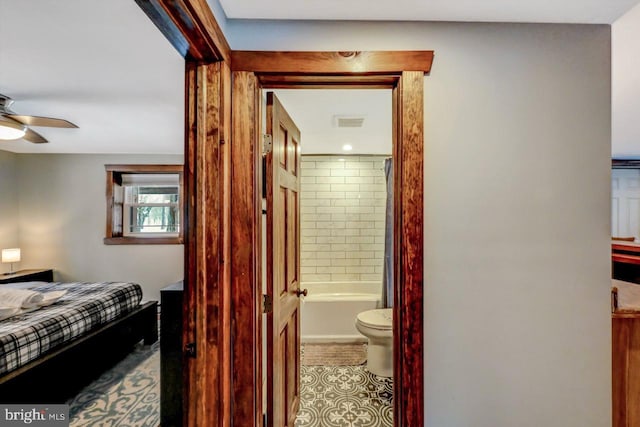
x: 387, y: 273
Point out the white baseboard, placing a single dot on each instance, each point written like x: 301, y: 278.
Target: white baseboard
x: 342, y: 339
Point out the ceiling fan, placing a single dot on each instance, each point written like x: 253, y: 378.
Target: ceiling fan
x: 16, y: 126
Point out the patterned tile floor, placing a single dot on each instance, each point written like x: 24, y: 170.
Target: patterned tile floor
x: 128, y: 395
x: 344, y: 396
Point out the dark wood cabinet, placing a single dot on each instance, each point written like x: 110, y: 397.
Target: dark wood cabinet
x: 171, y: 355
x: 625, y: 257
x: 34, y: 275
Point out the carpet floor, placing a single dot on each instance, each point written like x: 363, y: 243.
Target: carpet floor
x: 127, y: 395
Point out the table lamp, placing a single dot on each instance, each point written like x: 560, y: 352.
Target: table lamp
x: 10, y: 256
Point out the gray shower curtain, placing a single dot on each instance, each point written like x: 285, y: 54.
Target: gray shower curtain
x: 387, y: 273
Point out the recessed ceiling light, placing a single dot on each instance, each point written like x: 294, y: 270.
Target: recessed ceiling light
x: 347, y: 147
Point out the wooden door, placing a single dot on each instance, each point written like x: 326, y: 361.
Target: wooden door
x: 283, y: 266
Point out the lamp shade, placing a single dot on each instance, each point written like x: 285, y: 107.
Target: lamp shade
x: 10, y: 130
x: 11, y: 255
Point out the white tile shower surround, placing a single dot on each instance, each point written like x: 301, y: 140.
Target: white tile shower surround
x: 342, y: 218
x: 345, y: 396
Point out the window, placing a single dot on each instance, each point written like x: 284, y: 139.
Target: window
x: 144, y: 204
x: 151, y: 205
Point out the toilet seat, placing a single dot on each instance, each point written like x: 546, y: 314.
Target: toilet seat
x: 380, y: 319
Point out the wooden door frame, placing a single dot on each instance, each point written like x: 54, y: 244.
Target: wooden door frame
x: 223, y: 209
x: 336, y: 70
x: 191, y: 28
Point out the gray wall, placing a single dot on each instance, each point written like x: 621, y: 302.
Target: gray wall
x: 62, y: 223
x: 8, y: 203
x: 517, y: 213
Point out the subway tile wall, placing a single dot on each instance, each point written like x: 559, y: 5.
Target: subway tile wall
x: 343, y: 202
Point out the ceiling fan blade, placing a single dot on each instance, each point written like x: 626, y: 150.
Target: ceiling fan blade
x: 42, y: 121
x: 35, y: 137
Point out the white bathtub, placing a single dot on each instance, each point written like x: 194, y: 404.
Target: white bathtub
x: 328, y: 312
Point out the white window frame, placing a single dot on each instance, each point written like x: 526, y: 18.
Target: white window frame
x: 146, y: 181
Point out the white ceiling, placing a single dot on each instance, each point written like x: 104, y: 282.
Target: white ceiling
x: 568, y: 11
x: 104, y: 66
x: 313, y: 112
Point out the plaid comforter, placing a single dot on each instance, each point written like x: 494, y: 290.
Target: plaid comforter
x: 85, y: 306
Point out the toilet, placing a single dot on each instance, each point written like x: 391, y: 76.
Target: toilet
x: 377, y: 326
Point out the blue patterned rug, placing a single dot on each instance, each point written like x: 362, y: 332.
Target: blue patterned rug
x: 127, y: 395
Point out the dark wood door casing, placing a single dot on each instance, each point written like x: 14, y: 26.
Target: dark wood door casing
x: 408, y: 310
x: 207, y: 309
x: 342, y: 64
x: 408, y: 142
x: 190, y: 27
x: 246, y: 213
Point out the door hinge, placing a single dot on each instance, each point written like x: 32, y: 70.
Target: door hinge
x: 190, y: 350
x: 267, y: 304
x: 267, y: 144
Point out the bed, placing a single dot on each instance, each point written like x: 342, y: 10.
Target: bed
x: 48, y: 355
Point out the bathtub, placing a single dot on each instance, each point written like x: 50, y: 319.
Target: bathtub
x: 328, y: 313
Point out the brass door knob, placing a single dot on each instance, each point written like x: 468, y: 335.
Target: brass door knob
x: 302, y: 292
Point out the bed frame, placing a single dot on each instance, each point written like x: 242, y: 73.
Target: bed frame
x: 61, y: 373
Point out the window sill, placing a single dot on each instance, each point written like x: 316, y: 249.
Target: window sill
x: 142, y: 241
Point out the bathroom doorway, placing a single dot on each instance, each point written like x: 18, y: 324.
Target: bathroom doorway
x: 327, y: 232
x: 250, y: 73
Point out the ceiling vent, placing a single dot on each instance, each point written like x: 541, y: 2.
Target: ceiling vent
x: 348, y: 121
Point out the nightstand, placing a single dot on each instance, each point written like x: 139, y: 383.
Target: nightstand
x: 34, y: 275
